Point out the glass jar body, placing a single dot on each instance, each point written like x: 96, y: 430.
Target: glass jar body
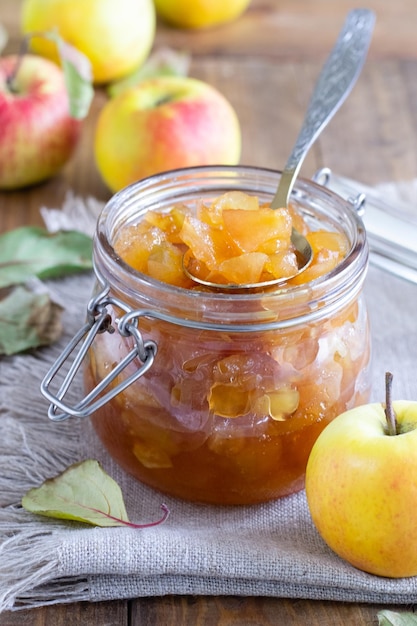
x: 241, y: 385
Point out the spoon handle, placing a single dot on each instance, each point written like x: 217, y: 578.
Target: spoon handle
x: 334, y: 84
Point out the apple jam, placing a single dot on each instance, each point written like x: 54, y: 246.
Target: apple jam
x: 242, y: 383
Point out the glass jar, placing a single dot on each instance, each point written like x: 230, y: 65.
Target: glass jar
x: 240, y: 385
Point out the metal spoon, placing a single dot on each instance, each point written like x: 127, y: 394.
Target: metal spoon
x: 334, y: 84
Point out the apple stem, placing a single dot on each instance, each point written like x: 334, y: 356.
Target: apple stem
x: 389, y: 410
x: 24, y: 46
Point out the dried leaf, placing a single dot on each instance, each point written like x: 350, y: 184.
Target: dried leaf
x: 162, y: 62
x: 85, y: 493
x: 27, y: 320
x: 78, y: 76
x: 392, y: 618
x: 32, y: 251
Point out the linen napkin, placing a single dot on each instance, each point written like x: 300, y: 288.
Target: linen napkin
x: 267, y: 550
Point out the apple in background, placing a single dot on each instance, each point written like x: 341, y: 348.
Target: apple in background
x: 199, y: 13
x: 161, y: 124
x: 37, y: 133
x: 361, y: 487
x: 115, y: 35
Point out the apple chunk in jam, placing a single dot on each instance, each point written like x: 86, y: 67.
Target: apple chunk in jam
x: 232, y: 240
x: 225, y: 416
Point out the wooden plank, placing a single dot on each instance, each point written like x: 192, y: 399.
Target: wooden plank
x: 299, y: 30
x: 228, y: 611
x: 87, y: 614
x: 372, y: 138
x: 280, y: 29
x: 200, y: 611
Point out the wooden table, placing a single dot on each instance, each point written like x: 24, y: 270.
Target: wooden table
x: 265, y: 64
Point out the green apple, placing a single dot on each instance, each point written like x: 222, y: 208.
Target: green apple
x: 361, y: 487
x: 200, y: 13
x: 115, y: 35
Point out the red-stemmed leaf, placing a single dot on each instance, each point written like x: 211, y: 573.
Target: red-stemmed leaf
x: 84, y: 492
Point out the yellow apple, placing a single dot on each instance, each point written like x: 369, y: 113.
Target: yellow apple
x: 37, y: 133
x: 361, y: 487
x: 161, y: 124
x: 200, y: 13
x: 116, y: 35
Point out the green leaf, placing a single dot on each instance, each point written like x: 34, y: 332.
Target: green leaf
x: 85, y: 493
x: 162, y: 62
x: 391, y: 618
x: 27, y: 320
x: 78, y: 76
x: 32, y: 251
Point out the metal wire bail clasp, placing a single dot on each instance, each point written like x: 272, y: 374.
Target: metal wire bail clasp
x: 323, y: 176
x: 98, y: 321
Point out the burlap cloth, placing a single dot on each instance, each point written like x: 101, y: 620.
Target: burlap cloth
x: 267, y: 550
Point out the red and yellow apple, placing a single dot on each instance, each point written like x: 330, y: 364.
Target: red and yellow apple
x: 115, y: 35
x: 161, y: 124
x: 37, y: 133
x: 361, y: 487
x: 200, y: 13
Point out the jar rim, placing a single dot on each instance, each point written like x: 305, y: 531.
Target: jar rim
x: 328, y: 290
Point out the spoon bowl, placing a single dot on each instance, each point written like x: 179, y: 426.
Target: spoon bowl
x: 303, y: 252
x: 334, y: 84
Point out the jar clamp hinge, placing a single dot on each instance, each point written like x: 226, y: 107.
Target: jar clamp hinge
x: 323, y: 176
x: 98, y: 321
